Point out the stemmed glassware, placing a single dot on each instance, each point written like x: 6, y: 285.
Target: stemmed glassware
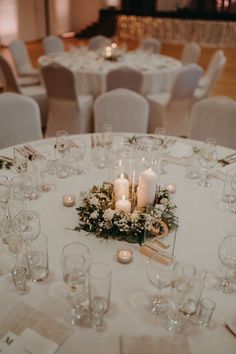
x: 75, y: 262
x: 182, y: 285
x: 227, y: 256
x: 62, y: 148
x: 208, y: 158
x: 160, y: 276
x: 27, y: 224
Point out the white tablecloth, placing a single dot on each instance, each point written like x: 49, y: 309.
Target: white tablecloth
x: 159, y: 71
x: 202, y: 226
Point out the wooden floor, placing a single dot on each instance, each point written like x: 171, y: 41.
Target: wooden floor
x: 225, y: 86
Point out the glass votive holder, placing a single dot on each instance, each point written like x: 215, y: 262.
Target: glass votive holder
x: 205, y: 312
x: 68, y: 200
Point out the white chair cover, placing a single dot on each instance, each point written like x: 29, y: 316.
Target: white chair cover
x: 125, y: 77
x: 98, y: 42
x: 207, y: 85
x: 171, y: 110
x: 151, y: 45
x: 214, y: 117
x: 126, y: 110
x: 37, y: 92
x: 19, y: 120
x: 191, y: 53
x: 210, y: 70
x: 22, y: 60
x: 67, y: 110
x: 52, y: 44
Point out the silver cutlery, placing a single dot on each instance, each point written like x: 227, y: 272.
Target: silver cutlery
x: 228, y: 159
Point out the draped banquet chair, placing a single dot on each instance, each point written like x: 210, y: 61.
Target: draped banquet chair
x: 191, y: 53
x: 23, y: 64
x: 52, y: 44
x: 214, y: 117
x: 125, y: 77
x: 98, y: 42
x: 151, y: 45
x: 212, y: 74
x: 171, y: 109
x: 37, y: 92
x: 66, y: 109
x: 19, y: 120
x: 126, y: 110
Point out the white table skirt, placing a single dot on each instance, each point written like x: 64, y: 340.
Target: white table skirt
x: 159, y: 71
x: 202, y: 226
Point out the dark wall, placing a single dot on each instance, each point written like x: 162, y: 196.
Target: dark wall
x: 139, y: 5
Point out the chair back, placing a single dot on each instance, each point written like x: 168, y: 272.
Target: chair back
x: 125, y: 77
x: 19, y: 119
x: 217, y: 56
x: 21, y: 57
x: 151, y: 45
x: 186, y: 82
x: 214, y: 117
x: 59, y: 82
x: 98, y: 42
x: 52, y: 44
x: 9, y: 81
x: 126, y: 110
x: 190, y: 53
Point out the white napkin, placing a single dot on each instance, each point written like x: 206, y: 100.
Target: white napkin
x: 177, y: 344
x: 180, y: 149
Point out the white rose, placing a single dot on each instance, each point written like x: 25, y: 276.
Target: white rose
x: 94, y: 201
x: 94, y: 214
x: 108, y: 214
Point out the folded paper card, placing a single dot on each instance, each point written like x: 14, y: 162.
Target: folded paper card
x: 177, y: 344
x: 28, y: 342
x: 23, y: 316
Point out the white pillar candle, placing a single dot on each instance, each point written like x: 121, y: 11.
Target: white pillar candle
x: 123, y: 205
x: 121, y: 187
x: 146, y: 190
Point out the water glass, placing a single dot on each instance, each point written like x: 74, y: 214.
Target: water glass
x: 99, y: 151
x: 37, y: 256
x: 99, y: 276
x: 205, y: 312
x: 193, y: 166
x: 229, y: 191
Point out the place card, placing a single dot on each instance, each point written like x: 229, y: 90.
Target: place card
x: 147, y: 344
x: 31, y: 342
x: 23, y: 316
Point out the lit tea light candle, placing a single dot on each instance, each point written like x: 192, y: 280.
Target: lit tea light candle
x: 124, y: 256
x: 121, y: 187
x: 171, y: 188
x: 123, y: 205
x: 68, y: 200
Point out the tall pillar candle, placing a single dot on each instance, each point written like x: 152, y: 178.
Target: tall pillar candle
x: 121, y: 187
x: 147, y: 188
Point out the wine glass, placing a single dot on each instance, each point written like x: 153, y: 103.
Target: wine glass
x: 181, y: 286
x: 160, y: 276
x: 208, y: 157
x: 4, y: 194
x: 21, y: 187
x: 227, y: 256
x: 75, y: 261
x: 161, y: 134
x: 27, y: 224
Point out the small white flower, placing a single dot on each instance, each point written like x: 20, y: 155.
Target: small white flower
x: 94, y: 201
x: 94, y: 214
x: 163, y: 201
x: 108, y: 214
x: 134, y: 216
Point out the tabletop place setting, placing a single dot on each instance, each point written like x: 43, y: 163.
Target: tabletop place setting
x: 102, y: 217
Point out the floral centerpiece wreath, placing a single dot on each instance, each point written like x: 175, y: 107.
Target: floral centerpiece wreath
x: 97, y: 215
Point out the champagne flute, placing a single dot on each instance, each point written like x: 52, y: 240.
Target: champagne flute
x: 208, y: 158
x: 227, y: 256
x: 77, y: 150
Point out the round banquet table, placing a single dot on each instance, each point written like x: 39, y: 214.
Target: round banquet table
x: 90, y: 68
x: 202, y: 226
